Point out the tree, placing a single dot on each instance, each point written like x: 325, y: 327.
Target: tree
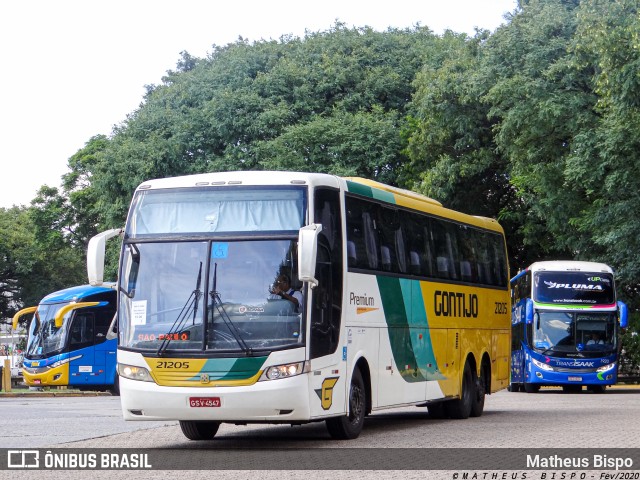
x: 333, y: 101
x: 606, y: 159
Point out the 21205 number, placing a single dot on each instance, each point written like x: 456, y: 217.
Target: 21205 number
x: 172, y: 365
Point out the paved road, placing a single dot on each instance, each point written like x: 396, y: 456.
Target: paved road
x: 559, y: 420
x: 567, y: 418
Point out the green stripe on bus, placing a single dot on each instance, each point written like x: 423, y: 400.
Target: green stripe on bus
x: 414, y: 304
x: 232, y: 368
x: 401, y: 337
x: 383, y: 196
x: 359, y: 189
x: 366, y: 191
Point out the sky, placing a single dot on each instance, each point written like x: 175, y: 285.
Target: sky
x: 72, y: 69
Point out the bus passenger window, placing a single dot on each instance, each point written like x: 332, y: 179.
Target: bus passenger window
x: 414, y: 261
x: 352, y: 255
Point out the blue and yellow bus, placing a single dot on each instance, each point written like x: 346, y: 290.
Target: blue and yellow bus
x: 72, y: 340
x: 399, y: 301
x: 566, y: 323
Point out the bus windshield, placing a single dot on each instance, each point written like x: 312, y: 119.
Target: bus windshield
x: 168, y: 289
x: 574, y: 332
x: 216, y: 210
x: 44, y: 337
x: 574, y: 288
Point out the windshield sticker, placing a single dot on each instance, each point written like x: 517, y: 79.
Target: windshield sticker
x: 219, y: 250
x: 573, y: 286
x: 139, y: 312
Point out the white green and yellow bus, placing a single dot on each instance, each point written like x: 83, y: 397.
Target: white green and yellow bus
x: 399, y: 301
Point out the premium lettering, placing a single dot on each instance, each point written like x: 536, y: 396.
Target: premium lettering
x: 361, y: 300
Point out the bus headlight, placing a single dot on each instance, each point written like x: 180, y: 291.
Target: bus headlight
x: 134, y: 373
x: 542, y: 366
x: 606, y: 368
x: 285, y: 371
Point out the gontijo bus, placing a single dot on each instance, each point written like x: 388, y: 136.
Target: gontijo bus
x: 404, y: 302
x: 566, y: 323
x: 72, y: 341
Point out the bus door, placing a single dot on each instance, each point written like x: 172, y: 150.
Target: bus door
x: 328, y: 380
x: 105, y: 349
x: 82, y: 368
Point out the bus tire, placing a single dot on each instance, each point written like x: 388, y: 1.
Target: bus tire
x: 531, y: 387
x: 115, y: 388
x: 348, y: 427
x: 477, y: 406
x: 436, y: 410
x: 461, y: 407
x: 572, y: 388
x: 199, y: 430
x: 596, y: 388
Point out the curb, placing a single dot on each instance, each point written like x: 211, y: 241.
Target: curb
x: 54, y: 394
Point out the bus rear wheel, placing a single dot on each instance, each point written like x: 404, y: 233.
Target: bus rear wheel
x: 461, y: 408
x: 199, y: 430
x: 348, y: 427
x: 477, y: 406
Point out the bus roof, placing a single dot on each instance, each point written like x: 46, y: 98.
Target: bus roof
x: 373, y: 189
x: 242, y: 178
x: 570, y: 266
x: 77, y: 292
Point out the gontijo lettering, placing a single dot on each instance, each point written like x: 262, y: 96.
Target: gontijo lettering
x: 455, y: 304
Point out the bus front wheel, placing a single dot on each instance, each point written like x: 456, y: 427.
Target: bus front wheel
x: 348, y: 427
x: 199, y: 430
x: 115, y: 388
x: 531, y: 388
x: 572, y: 388
x: 596, y: 388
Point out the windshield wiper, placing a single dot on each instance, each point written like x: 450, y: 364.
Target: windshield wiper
x: 217, y: 304
x: 192, y: 302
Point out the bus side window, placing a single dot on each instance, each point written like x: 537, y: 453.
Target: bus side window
x: 370, y: 240
x: 103, y: 322
x: 81, y: 333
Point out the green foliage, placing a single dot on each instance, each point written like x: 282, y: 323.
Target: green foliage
x: 29, y: 268
x: 536, y: 124
x: 332, y: 102
x: 630, y: 351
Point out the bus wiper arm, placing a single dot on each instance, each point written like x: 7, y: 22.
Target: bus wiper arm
x: 217, y: 304
x: 191, y: 304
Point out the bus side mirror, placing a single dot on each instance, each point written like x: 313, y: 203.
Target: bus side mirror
x: 624, y: 314
x: 528, y: 311
x: 22, y: 312
x: 307, y: 253
x: 59, y: 318
x: 95, y: 255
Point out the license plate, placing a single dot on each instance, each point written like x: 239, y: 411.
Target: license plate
x: 204, y: 401
x: 575, y: 379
